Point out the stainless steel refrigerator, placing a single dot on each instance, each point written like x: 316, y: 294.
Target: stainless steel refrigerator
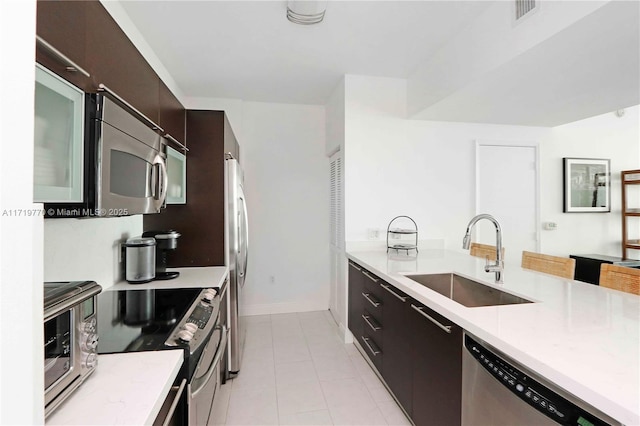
x: 237, y: 248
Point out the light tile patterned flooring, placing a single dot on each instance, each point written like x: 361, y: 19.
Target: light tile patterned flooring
x: 296, y: 371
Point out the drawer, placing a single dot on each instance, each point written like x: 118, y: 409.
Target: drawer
x: 372, y: 350
x: 372, y: 328
x: 372, y: 303
x: 372, y: 283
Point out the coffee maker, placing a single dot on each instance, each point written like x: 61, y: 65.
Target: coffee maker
x: 166, y: 241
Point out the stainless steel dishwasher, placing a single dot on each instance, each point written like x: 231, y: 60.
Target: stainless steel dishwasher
x: 499, y: 391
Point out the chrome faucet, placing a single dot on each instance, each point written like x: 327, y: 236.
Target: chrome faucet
x: 499, y: 265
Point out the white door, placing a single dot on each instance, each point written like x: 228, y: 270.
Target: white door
x: 507, y: 188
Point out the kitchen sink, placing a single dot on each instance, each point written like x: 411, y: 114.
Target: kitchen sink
x: 467, y: 292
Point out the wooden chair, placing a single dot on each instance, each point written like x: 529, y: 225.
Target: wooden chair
x: 484, y: 251
x: 564, y: 267
x: 620, y: 278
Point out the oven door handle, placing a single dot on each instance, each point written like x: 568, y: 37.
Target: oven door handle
x: 199, y: 384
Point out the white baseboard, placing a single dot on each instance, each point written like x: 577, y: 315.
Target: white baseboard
x: 283, y: 308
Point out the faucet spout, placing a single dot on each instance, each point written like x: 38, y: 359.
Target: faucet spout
x: 497, y: 267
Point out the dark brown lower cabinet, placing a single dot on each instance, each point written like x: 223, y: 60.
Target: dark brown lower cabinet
x: 397, y: 368
x: 437, y: 368
x: 420, y: 358
x: 356, y: 288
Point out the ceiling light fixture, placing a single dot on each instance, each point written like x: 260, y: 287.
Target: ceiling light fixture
x: 306, y: 12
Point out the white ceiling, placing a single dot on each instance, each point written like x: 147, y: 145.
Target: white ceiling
x: 249, y: 50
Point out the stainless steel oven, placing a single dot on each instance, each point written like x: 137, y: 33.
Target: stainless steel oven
x: 70, y: 338
x: 159, y: 319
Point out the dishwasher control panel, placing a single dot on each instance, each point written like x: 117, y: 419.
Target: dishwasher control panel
x: 534, y: 393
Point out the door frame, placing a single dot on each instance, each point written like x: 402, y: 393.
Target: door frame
x: 479, y: 143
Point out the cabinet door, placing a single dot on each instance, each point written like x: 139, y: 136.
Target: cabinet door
x: 177, y: 176
x: 437, y: 368
x: 113, y: 60
x: 356, y: 287
x: 63, y: 25
x: 58, y: 139
x: 397, y: 368
x: 172, y: 115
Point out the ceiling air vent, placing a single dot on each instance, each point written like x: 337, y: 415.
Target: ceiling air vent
x: 524, y: 6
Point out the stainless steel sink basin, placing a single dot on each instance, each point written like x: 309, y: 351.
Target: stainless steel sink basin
x: 465, y: 291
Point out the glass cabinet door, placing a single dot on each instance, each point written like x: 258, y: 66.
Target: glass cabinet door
x: 177, y: 173
x: 58, y: 139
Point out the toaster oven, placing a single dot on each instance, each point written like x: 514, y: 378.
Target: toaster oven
x: 70, y: 338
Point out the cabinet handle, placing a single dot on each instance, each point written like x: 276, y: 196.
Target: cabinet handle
x: 386, y: 287
x: 69, y: 64
x: 374, y: 303
x: 114, y: 95
x: 373, y: 327
x: 372, y: 278
x: 446, y: 328
x: 366, y: 342
x: 356, y: 267
x: 174, y: 140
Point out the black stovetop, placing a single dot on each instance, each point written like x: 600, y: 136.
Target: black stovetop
x: 140, y: 320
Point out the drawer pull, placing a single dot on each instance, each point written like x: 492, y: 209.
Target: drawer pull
x: 356, y: 267
x: 373, y: 302
x: 373, y: 327
x: 446, y: 328
x: 371, y: 277
x: 366, y: 342
x: 386, y: 287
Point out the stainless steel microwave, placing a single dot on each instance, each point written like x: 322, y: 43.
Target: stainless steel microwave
x: 130, y: 168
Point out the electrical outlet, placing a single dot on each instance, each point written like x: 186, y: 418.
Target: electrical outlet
x: 272, y: 279
x: 550, y: 226
x: 373, y: 233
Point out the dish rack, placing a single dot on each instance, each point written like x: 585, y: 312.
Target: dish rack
x: 405, y: 245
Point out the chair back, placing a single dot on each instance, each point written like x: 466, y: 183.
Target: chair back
x: 484, y: 251
x: 564, y: 267
x: 620, y: 278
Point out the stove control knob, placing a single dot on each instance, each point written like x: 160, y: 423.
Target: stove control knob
x: 208, y: 295
x: 190, y: 327
x: 185, y: 336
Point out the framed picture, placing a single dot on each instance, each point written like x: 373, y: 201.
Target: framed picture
x: 587, y: 186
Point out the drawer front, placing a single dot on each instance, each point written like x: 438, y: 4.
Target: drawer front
x: 372, y: 303
x: 372, y: 328
x: 372, y: 350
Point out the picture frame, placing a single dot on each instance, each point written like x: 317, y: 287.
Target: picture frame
x: 587, y: 185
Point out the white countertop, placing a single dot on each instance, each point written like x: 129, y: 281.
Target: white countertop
x: 125, y: 389
x: 582, y: 337
x: 196, y: 277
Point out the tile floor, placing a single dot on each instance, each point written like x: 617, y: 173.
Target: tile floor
x: 296, y: 371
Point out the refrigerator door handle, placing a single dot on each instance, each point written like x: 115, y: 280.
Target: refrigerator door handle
x: 244, y: 238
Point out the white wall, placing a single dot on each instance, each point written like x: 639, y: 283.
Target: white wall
x: 603, y: 136
x: 87, y: 249
x: 21, y: 354
x: 426, y: 169
x: 287, y: 187
x: 422, y: 169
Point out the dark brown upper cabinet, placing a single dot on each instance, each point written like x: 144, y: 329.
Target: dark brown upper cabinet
x: 172, y: 115
x: 63, y: 25
x: 201, y: 220
x: 114, y: 61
